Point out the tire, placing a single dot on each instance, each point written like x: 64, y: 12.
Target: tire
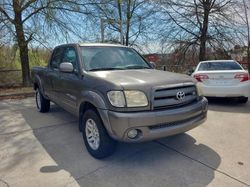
x: 91, y: 122
x: 42, y: 104
x: 242, y: 99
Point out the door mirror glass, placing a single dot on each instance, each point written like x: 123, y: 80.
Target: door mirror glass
x: 66, y: 67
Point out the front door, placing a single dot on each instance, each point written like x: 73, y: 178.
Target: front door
x: 69, y: 82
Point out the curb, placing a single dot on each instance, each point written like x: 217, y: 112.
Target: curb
x: 17, y: 95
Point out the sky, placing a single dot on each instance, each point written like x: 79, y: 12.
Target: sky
x: 48, y: 34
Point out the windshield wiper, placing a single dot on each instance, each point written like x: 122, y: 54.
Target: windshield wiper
x: 104, y: 69
x: 137, y: 67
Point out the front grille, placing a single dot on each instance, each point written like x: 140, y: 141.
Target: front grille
x: 167, y: 97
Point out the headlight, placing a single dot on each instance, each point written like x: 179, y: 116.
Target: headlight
x: 116, y: 98
x: 133, y: 98
x: 199, y: 90
x: 136, y: 99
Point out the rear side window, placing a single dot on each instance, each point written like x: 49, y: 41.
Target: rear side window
x: 56, y: 58
x: 219, y: 66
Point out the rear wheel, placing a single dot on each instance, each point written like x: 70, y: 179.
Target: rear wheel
x: 96, y: 139
x: 242, y: 99
x: 43, y: 104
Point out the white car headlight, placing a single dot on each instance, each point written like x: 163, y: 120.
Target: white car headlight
x: 116, y: 98
x: 131, y: 98
x: 136, y: 98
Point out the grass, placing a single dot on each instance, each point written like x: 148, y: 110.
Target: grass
x: 9, y: 60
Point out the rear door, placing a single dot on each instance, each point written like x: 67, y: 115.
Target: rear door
x: 52, y: 75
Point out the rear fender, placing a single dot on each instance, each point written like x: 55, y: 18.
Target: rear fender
x: 38, y: 82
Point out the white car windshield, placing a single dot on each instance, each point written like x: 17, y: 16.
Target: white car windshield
x: 219, y: 66
x: 112, y: 58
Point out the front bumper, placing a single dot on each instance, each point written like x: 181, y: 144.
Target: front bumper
x: 154, y: 124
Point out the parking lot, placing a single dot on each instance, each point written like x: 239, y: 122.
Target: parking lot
x: 47, y: 150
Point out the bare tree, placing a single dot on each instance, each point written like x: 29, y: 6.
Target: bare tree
x: 248, y: 33
x: 134, y: 18
x: 25, y: 19
x: 242, y: 13
x: 199, y: 23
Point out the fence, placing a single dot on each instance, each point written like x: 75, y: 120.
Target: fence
x: 13, y: 77
x: 173, y: 68
x: 10, y: 78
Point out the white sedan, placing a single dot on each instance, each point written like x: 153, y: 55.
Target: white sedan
x: 223, y: 78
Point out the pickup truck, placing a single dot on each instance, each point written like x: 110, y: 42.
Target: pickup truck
x: 117, y: 95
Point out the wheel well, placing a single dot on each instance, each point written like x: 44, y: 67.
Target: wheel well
x: 35, y: 86
x: 83, y: 108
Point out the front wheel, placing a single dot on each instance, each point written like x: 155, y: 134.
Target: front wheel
x: 243, y: 99
x: 43, y: 104
x: 96, y: 139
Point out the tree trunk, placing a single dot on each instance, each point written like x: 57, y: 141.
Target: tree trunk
x: 248, y: 55
x: 22, y: 44
x: 24, y: 56
x: 119, y: 4
x: 204, y: 29
x: 248, y: 35
x: 128, y: 22
x: 202, y: 55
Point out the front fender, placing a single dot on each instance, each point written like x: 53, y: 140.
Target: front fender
x: 98, y: 101
x: 94, y: 98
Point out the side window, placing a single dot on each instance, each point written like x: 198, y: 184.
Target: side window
x: 69, y: 55
x: 55, y: 59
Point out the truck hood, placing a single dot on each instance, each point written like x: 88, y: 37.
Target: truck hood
x: 143, y: 77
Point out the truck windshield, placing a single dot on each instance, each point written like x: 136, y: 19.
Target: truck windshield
x: 111, y: 58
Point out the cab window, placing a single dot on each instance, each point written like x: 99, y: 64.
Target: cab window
x: 56, y: 58
x: 69, y: 55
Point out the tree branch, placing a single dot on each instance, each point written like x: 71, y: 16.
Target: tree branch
x: 28, y: 4
x: 6, y: 15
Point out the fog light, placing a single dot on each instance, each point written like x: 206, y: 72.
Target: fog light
x: 132, y: 133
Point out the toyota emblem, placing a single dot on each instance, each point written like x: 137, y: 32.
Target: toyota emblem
x: 180, y: 95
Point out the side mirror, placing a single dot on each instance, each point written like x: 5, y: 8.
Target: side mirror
x: 153, y: 65
x: 66, y: 67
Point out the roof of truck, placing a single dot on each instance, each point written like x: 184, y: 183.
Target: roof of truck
x: 93, y: 45
x: 100, y: 45
x: 217, y: 61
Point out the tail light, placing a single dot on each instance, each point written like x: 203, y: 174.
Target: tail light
x: 242, y: 77
x: 200, y: 77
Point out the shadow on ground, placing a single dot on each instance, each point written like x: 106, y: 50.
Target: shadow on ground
x: 159, y: 163
x: 228, y: 105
